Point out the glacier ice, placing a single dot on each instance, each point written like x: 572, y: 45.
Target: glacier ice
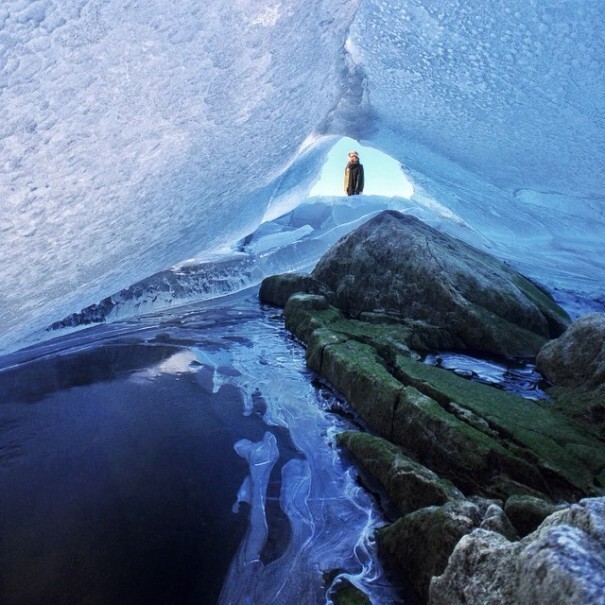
x: 136, y: 135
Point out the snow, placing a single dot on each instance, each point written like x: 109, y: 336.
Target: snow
x: 136, y: 135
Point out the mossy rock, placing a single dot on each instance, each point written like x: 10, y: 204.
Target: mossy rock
x: 483, y: 439
x: 529, y: 425
x: 409, y: 485
x: 355, y: 370
x: 586, y: 407
x: 526, y: 512
x: 398, y: 265
x: 344, y: 592
x: 421, y: 542
x: 304, y: 313
x: 455, y: 449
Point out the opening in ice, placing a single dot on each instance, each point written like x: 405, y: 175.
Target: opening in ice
x: 384, y: 175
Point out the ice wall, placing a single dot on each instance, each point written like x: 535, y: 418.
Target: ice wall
x: 496, y: 111
x: 135, y: 135
x: 512, y: 91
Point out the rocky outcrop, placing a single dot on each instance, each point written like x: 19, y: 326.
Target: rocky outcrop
x: 577, y: 358
x: 486, y: 441
x: 562, y: 563
x: 398, y: 265
x: 443, y: 444
x: 462, y: 462
x: 575, y: 364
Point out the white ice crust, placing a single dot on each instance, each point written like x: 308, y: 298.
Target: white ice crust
x: 134, y: 135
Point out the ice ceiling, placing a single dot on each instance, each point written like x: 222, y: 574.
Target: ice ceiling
x: 134, y: 135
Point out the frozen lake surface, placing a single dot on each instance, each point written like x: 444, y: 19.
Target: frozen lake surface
x: 182, y: 457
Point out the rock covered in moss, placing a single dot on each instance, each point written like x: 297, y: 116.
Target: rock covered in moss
x: 422, y: 541
x: 276, y: 289
x: 526, y: 512
x: 398, y: 265
x: 409, y: 485
x: 484, y: 440
x: 576, y: 358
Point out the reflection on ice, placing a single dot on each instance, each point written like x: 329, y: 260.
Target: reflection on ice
x: 165, y: 458
x: 331, y: 518
x: 179, y: 363
x: 515, y: 376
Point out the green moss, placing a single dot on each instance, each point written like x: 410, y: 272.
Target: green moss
x: 473, y: 460
x: 586, y: 407
x: 409, y: 485
x: 302, y: 321
x: 317, y: 342
x: 453, y: 425
x: 556, y: 316
x: 388, y: 339
x: 552, y: 437
x: 365, y: 446
x: 355, y: 370
x: 343, y: 592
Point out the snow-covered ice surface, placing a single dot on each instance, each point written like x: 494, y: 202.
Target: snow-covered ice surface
x: 136, y: 135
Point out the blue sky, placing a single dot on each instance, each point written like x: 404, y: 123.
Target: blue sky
x: 383, y: 175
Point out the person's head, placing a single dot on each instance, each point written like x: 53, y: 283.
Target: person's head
x: 353, y: 157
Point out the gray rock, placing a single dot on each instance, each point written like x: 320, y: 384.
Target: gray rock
x: 482, y: 570
x: 276, y: 289
x: 577, y: 358
x: 496, y: 520
x: 397, y: 265
x: 561, y: 563
x: 564, y: 566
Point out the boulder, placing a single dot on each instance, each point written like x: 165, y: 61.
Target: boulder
x: 577, y: 358
x: 422, y: 542
x: 396, y: 264
x: 482, y: 570
x: 276, y: 289
x: 526, y: 512
x: 561, y: 563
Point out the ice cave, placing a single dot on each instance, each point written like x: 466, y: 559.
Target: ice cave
x: 161, y: 438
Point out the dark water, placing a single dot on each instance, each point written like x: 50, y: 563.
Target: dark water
x: 124, y: 450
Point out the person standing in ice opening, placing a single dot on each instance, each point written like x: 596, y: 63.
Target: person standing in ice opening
x: 353, y: 175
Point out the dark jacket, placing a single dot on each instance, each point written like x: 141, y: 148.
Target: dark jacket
x: 354, y: 178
